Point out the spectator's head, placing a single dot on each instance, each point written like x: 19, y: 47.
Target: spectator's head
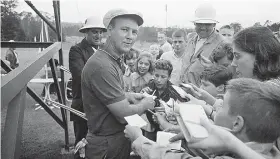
x: 214, y: 79
x: 154, y: 49
x: 178, y: 41
x: 145, y: 63
x: 223, y: 54
x: 162, y: 73
x: 122, y: 28
x: 93, y: 30
x: 205, y: 20
x: 130, y: 58
x: 161, y: 37
x: 227, y: 32
x: 256, y: 53
x: 251, y: 109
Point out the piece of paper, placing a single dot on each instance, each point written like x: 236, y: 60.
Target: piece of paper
x: 135, y: 120
x: 163, y: 140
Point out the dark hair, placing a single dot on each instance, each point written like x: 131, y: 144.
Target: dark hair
x: 260, y: 42
x: 259, y: 105
x: 164, y: 65
x: 217, y: 75
x: 150, y: 59
x: 226, y: 27
x: 179, y: 33
x: 129, y: 55
x: 222, y: 50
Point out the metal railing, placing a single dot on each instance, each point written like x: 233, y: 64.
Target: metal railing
x: 14, y: 87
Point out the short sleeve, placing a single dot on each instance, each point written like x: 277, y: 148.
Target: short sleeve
x: 106, y: 84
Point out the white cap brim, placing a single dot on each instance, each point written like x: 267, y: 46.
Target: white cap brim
x: 82, y: 29
x: 205, y: 21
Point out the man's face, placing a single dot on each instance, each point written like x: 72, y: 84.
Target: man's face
x: 223, y: 117
x: 123, y: 34
x: 244, y: 63
x: 178, y: 44
x: 94, y: 36
x: 161, y: 77
x: 227, y: 33
x: 161, y: 38
x: 209, y: 87
x: 204, y: 30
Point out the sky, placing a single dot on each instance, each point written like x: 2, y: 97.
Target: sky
x: 179, y: 13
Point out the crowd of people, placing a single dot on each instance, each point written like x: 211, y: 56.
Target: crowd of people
x: 235, y: 77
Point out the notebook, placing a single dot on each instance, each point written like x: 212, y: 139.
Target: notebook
x: 189, y: 121
x: 163, y: 140
x: 135, y: 120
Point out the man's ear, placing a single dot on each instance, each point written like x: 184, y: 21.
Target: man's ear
x: 109, y: 30
x: 238, y: 124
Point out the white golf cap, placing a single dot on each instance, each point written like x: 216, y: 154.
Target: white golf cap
x: 111, y: 14
x: 205, y: 13
x: 93, y: 22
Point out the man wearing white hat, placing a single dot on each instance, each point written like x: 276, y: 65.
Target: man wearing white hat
x: 104, y: 99
x: 78, y: 56
x: 12, y: 56
x: 200, y: 47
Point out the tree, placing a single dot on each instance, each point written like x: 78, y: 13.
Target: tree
x: 236, y: 26
x: 10, y: 21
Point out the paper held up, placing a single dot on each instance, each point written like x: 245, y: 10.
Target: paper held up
x: 163, y: 140
x: 189, y: 121
x: 135, y: 120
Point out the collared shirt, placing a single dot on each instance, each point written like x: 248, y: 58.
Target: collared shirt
x: 102, y: 84
x: 149, y: 149
x: 199, y: 43
x: 166, y: 47
x: 139, y: 82
x: 177, y: 63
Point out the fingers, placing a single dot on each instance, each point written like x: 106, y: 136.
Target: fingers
x: 178, y: 137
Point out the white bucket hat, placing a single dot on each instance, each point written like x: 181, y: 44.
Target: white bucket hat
x: 93, y: 22
x: 111, y: 14
x: 205, y: 13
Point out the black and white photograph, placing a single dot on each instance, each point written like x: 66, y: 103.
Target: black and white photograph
x: 140, y: 79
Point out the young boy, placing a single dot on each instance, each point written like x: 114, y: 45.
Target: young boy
x: 250, y: 110
x: 214, y: 79
x: 162, y: 88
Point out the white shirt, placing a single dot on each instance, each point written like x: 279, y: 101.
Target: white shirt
x: 177, y: 63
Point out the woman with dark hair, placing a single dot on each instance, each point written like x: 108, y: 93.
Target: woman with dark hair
x: 256, y: 54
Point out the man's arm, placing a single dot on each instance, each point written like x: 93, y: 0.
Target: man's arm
x: 106, y: 85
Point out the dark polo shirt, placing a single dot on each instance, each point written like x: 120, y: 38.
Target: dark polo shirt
x: 102, y: 84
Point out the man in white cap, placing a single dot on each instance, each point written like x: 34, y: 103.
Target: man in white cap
x: 104, y: 99
x: 12, y: 56
x: 199, y: 48
x: 78, y: 56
